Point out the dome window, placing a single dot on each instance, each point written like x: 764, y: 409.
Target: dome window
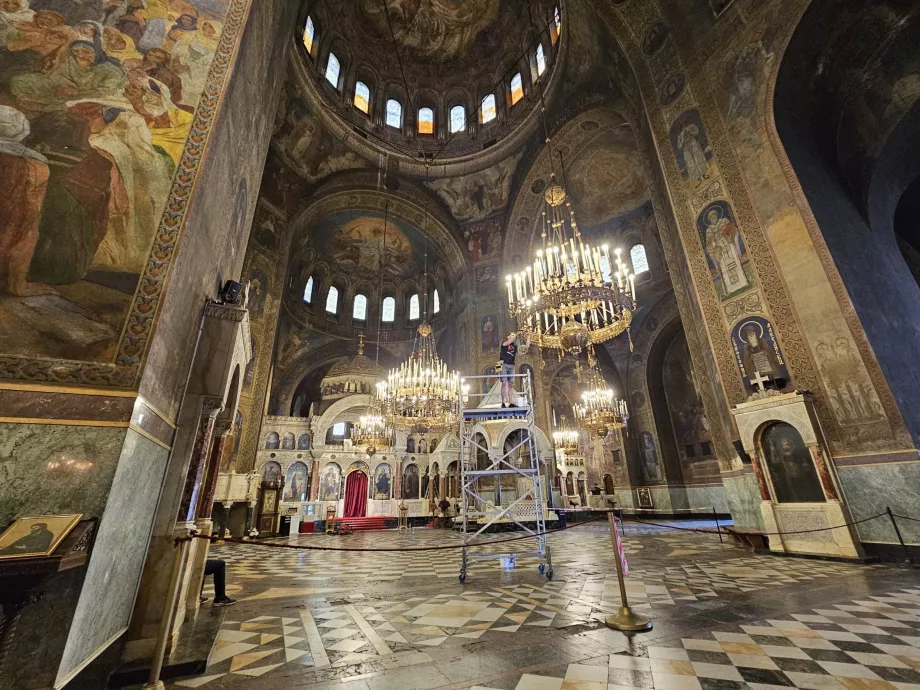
x: 457, y: 119
x: 359, y: 312
x: 425, y: 121
x: 639, y: 259
x: 394, y: 114
x: 436, y: 301
x: 309, y: 35
x: 517, y: 88
x: 389, y: 310
x: 308, y: 291
x: 556, y: 26
x: 487, y: 111
x: 414, y: 310
x: 541, y: 60
x: 362, y: 97
x: 333, y: 69
x: 332, y: 300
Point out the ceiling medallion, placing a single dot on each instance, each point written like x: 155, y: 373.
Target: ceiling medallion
x: 573, y: 297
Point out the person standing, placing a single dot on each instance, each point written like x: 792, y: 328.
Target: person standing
x: 508, y: 355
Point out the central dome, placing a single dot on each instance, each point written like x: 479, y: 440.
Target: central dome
x: 444, y: 81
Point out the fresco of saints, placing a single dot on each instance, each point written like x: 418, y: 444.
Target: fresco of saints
x: 757, y: 355
x: 488, y: 334
x: 723, y: 243
x: 696, y: 165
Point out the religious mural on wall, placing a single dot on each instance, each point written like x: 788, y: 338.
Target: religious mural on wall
x: 98, y: 99
x: 690, y: 142
x: 382, y: 482
x: 651, y: 465
x: 492, y: 336
x: 474, y: 196
x: 726, y: 253
x: 487, y: 280
x: 330, y: 481
x: 483, y: 239
x: 757, y: 351
x: 851, y: 394
x: 684, y: 403
x: 297, y: 483
x: 410, y: 485
x: 792, y: 470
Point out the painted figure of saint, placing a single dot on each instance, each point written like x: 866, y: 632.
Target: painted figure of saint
x: 37, y: 540
x: 723, y: 242
x: 488, y: 333
x: 757, y: 355
x: 688, y: 142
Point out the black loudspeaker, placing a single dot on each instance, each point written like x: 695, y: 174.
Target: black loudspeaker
x: 739, y: 448
x: 231, y: 292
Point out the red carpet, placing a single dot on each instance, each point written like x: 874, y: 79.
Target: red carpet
x: 365, y: 523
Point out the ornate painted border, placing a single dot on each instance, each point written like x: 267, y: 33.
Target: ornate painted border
x: 139, y: 326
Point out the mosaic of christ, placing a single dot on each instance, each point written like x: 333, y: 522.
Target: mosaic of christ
x: 440, y: 29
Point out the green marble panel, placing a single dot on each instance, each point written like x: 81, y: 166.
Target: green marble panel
x: 743, y: 498
x: 869, y: 489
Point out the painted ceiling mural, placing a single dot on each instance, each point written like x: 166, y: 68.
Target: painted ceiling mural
x: 471, y: 197
x: 97, y: 102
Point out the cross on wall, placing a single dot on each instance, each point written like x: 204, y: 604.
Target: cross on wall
x: 759, y: 381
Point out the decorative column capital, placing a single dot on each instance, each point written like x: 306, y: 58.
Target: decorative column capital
x: 211, y: 406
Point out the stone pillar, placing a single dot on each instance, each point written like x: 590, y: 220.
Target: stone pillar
x: 397, y: 481
x: 210, y: 408
x: 824, y: 473
x: 225, y: 527
x: 314, y: 481
x: 761, y: 478
x: 223, y: 442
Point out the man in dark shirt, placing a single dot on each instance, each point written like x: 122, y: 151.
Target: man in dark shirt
x: 508, y: 354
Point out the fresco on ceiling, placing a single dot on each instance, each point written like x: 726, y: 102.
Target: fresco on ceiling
x: 293, y: 341
x: 353, y: 242
x: 281, y: 186
x: 258, y: 285
x: 475, y: 196
x: 483, y: 239
x: 487, y: 280
x: 439, y: 29
x: 309, y: 147
x: 266, y: 229
x: 691, y: 146
x: 757, y: 351
x: 681, y: 393
x: 744, y: 77
x: 97, y: 101
x: 726, y: 253
x: 672, y: 88
x: 606, y: 179
x: 490, y: 330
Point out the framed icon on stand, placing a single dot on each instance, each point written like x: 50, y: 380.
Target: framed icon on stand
x: 644, y: 496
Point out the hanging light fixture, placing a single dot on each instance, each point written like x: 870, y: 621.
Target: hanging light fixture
x: 422, y: 394
x: 566, y: 438
x: 600, y: 411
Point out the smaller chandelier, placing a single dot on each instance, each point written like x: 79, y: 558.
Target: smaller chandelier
x: 372, y: 432
x: 421, y: 395
x: 600, y: 411
x: 565, y: 438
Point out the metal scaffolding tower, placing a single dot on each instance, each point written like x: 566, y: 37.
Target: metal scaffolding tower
x: 485, y: 408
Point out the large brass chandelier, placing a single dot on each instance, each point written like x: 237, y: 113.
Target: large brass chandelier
x: 421, y: 394
x: 572, y: 297
x: 372, y: 432
x: 566, y: 438
x: 600, y: 411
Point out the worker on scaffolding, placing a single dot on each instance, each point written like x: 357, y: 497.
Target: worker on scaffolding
x: 509, y: 352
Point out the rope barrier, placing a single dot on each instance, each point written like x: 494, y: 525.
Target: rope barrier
x: 765, y: 534
x: 305, y: 547
x: 904, y: 517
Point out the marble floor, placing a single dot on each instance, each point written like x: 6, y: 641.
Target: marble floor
x: 725, y: 619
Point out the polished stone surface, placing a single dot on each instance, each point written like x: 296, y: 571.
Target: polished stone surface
x: 725, y: 619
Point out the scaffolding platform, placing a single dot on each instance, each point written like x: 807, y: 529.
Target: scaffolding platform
x: 485, y: 408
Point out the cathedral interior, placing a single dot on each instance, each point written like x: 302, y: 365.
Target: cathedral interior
x: 261, y: 265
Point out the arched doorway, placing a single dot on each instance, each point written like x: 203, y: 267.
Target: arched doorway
x: 356, y: 494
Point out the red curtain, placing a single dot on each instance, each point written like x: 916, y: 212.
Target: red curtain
x: 356, y: 495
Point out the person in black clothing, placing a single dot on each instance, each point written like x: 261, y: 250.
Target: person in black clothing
x: 508, y: 354
x: 217, y: 568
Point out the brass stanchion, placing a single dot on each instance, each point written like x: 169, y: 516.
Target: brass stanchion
x: 624, y: 619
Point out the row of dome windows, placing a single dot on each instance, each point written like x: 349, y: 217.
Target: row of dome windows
x: 425, y: 123
x: 359, y: 306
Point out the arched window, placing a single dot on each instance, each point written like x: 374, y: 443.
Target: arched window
x: 333, y: 68
x: 606, y: 275
x: 557, y: 26
x: 517, y: 88
x: 487, y: 112
x: 332, y: 300
x: 309, y: 35
x: 436, y: 302
x: 308, y: 291
x: 359, y: 313
x: 362, y: 97
x: 394, y: 114
x: 414, y: 310
x: 457, y: 119
x: 541, y: 60
x: 425, y: 121
x: 389, y: 310
x: 639, y: 259
x: 338, y: 430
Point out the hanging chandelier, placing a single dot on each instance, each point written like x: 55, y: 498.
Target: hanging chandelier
x: 566, y: 438
x: 600, y: 411
x: 372, y: 432
x: 572, y: 297
x: 421, y: 394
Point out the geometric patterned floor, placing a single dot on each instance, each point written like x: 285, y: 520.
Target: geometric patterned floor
x: 362, y: 621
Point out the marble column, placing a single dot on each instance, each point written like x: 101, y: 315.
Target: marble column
x: 225, y: 527
x: 817, y: 455
x: 210, y: 408
x: 314, y: 481
x: 223, y: 442
x: 761, y: 478
x: 397, y: 481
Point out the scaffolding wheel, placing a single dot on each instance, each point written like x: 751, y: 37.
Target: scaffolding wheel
x: 542, y: 568
x: 549, y: 574
x: 462, y: 577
